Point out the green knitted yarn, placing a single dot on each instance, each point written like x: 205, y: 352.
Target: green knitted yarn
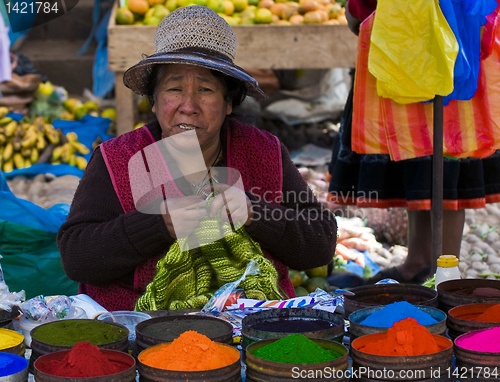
x: 188, y: 279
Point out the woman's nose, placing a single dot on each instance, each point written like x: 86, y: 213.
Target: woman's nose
x: 189, y: 104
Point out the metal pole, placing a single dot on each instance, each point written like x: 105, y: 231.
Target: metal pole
x: 437, y: 183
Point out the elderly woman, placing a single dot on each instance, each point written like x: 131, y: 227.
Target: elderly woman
x: 114, y: 246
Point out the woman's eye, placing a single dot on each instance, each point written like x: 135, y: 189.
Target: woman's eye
x: 205, y: 89
x: 174, y: 89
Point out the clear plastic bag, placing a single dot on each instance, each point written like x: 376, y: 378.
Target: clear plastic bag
x: 218, y: 301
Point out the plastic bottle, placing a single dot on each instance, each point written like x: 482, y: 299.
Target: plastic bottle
x: 447, y: 269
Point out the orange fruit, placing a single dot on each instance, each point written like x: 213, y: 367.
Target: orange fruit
x: 313, y: 17
x: 139, y: 7
x: 229, y: 7
x: 283, y: 22
x: 331, y: 22
x: 308, y: 6
x: 277, y: 8
x: 318, y: 272
x: 296, y: 19
x: 171, y: 5
x: 124, y: 16
x: 152, y: 3
x: 301, y: 291
x: 316, y: 282
x: 295, y: 277
x: 323, y: 13
x: 263, y: 16
x: 240, y: 5
x: 290, y: 10
x: 332, y: 10
x: 266, y: 3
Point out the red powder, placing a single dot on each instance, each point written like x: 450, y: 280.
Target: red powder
x: 83, y: 360
x: 492, y: 314
x: 406, y: 337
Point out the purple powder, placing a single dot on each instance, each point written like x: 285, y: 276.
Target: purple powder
x: 292, y: 326
x: 397, y: 311
x: 485, y: 340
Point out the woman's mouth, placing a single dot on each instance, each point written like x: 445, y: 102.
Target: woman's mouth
x: 185, y: 126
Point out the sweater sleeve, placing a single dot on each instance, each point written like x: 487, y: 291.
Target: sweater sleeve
x: 98, y: 242
x: 299, y: 232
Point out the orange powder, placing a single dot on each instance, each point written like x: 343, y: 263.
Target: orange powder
x: 406, y: 337
x: 492, y: 314
x: 191, y: 351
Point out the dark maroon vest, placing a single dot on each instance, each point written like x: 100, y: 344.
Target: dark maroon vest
x: 256, y: 154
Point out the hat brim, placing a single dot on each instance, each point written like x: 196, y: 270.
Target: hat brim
x: 137, y: 77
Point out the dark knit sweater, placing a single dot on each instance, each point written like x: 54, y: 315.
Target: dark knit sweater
x: 99, y: 243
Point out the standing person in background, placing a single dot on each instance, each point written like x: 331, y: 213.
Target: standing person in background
x: 468, y: 183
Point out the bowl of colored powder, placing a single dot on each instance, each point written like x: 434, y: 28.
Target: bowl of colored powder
x: 64, y: 334
x: 454, y: 293
x: 13, y: 368
x: 368, y: 296
x: 407, y: 345
x: 278, y: 323
x: 11, y: 342
x: 275, y: 359
x: 479, y: 352
x: 379, y: 319
x: 191, y: 356
x: 470, y: 317
x: 87, y: 363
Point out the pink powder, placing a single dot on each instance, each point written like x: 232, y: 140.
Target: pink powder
x: 486, y: 341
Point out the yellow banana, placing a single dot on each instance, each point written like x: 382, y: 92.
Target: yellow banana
x: 80, y: 147
x: 41, y: 143
x: 27, y: 162
x: 8, y: 151
x: 5, y: 120
x: 67, y: 152
x: 18, y: 160
x: 3, y: 139
x: 72, y: 137
x: 16, y: 142
x: 10, y: 128
x: 56, y: 154
x: 72, y: 160
x: 26, y: 152
x: 29, y: 140
x: 8, y: 166
x: 3, y: 111
x: 81, y: 163
x: 34, y: 155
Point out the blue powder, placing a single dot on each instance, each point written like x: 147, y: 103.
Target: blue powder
x: 397, y: 311
x: 11, y: 364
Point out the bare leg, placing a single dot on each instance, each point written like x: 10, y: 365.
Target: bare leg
x: 420, y: 239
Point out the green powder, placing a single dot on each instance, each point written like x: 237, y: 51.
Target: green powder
x: 69, y: 332
x: 296, y: 348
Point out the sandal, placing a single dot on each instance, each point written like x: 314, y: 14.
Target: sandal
x: 393, y: 273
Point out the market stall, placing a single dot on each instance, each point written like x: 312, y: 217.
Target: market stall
x: 313, y: 46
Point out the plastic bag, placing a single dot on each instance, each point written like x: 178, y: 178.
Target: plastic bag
x: 31, y: 259
x: 218, y: 301
x: 382, y: 126
x: 412, y: 51
x: 466, y: 18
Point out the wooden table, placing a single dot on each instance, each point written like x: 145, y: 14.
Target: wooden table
x: 259, y: 47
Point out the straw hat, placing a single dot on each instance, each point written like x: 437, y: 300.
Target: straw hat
x: 193, y: 35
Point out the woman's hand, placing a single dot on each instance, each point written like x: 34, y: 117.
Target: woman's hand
x: 182, y: 215
x: 231, y: 200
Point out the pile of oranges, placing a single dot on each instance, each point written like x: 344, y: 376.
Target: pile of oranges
x: 239, y: 12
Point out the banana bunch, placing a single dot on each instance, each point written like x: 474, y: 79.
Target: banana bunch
x: 25, y: 143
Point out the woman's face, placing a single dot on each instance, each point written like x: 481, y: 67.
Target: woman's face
x: 191, y: 98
